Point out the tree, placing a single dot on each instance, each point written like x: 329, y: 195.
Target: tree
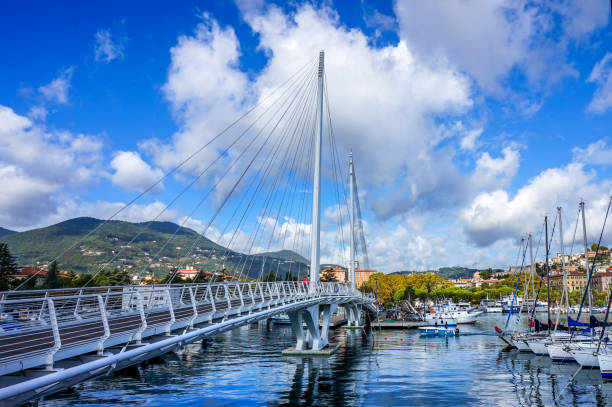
x: 8, y: 266
x: 409, y: 293
x: 270, y: 276
x: 113, y: 278
x: 328, y: 275
x: 486, y: 275
x: 51, y: 279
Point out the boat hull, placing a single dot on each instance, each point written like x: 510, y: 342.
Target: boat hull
x: 558, y: 354
x: 605, y: 365
x: 586, y: 357
x: 521, y: 345
x: 538, y: 347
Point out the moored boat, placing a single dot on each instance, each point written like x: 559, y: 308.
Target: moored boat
x: 584, y: 353
x: 438, y: 331
x: 605, y: 365
x: 453, y: 314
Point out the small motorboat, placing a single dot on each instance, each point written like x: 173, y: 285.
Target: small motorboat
x: 438, y: 331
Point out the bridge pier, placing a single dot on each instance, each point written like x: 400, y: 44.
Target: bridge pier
x: 312, y: 340
x: 353, y: 316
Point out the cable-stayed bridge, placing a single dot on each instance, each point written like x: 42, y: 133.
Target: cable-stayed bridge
x: 267, y: 166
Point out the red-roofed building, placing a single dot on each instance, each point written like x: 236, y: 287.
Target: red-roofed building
x: 25, y: 272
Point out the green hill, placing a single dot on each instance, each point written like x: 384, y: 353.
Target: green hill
x: 4, y: 232
x: 289, y: 255
x: 138, y: 247
x: 456, y: 272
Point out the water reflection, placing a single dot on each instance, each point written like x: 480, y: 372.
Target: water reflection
x: 244, y: 367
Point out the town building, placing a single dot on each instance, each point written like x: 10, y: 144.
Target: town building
x: 575, y: 281
x: 339, y: 273
x: 188, y: 272
x: 601, y: 281
x: 26, y: 272
x: 363, y: 275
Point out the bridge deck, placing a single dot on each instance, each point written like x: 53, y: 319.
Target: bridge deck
x: 39, y: 328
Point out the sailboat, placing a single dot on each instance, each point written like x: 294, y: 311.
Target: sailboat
x: 587, y: 352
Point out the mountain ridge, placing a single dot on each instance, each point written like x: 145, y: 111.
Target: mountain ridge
x: 6, y: 232
x: 132, y: 246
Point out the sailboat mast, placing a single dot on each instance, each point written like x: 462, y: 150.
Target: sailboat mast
x: 563, y: 262
x: 586, y: 256
x: 316, y: 188
x: 352, y: 220
x: 547, y: 276
x: 531, y: 278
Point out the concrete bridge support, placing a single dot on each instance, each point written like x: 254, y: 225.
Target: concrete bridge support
x: 353, y: 316
x: 311, y: 339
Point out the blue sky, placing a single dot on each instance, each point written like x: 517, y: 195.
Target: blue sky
x: 470, y: 120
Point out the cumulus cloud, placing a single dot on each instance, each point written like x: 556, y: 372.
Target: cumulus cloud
x: 38, y: 113
x: 105, y: 48
x: 601, y: 75
x: 496, y: 172
x: 499, y: 215
x: 389, y: 119
x: 131, y: 172
x: 57, y: 89
x: 597, y: 153
x: 38, y: 165
x: 491, y: 39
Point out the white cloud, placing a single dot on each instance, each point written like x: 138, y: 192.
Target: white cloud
x: 596, y: 153
x: 602, y: 76
x: 105, y: 49
x: 496, y: 172
x: 491, y: 38
x: 498, y: 215
x: 57, y: 89
x: 133, y: 173
x: 25, y: 199
x: 388, y: 119
x: 39, y: 165
x: 38, y: 113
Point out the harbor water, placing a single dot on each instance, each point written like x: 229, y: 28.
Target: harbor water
x: 388, y: 368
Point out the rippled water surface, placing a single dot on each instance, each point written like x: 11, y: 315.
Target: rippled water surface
x: 389, y: 368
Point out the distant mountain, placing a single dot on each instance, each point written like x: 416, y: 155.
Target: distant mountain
x: 134, y: 246
x: 446, y: 272
x: 289, y: 255
x: 4, y: 232
x: 457, y: 272
x: 327, y: 265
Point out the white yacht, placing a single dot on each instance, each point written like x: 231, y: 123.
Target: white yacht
x: 460, y: 313
x: 491, y: 306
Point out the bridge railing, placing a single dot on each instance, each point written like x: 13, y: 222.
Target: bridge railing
x: 26, y: 310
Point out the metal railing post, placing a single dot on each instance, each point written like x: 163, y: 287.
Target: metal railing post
x: 143, y: 319
x: 212, y: 302
x: 104, y: 317
x: 252, y: 295
x: 171, y: 310
x: 56, y: 335
x: 227, y: 297
x: 76, y: 306
x: 241, y: 299
x: 42, y: 307
x: 194, y: 307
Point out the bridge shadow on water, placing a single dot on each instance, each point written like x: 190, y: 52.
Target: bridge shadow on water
x: 327, y: 381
